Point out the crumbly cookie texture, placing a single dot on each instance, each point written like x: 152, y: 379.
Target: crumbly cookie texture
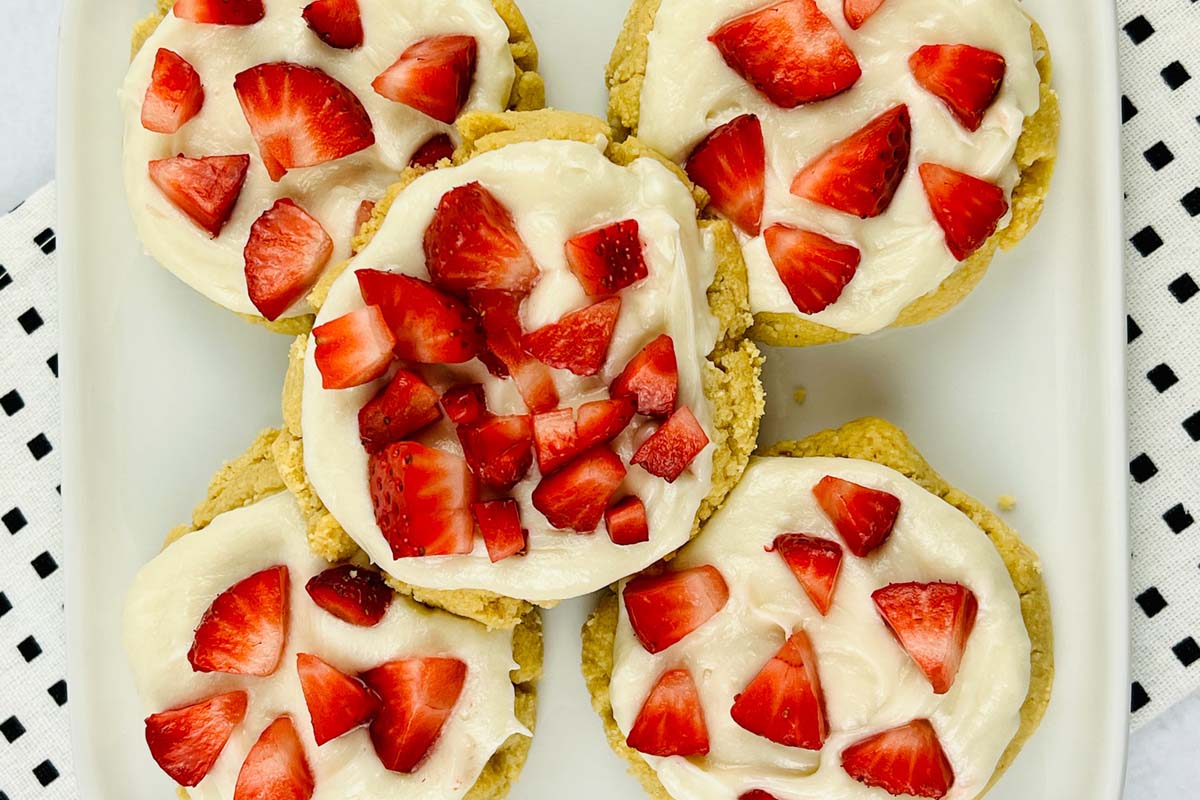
x: 252, y: 476
x: 1035, y: 155
x: 731, y: 376
x: 875, y: 440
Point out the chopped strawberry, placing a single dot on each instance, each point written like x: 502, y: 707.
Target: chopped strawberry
x: 465, y: 404
x: 907, y: 760
x: 757, y: 794
x: 864, y: 517
x: 472, y: 243
x: 815, y: 562
x: 784, y: 702
x: 275, y: 768
x: 284, y: 257
x: 967, y: 208
x: 337, y: 22
x: 499, y: 449
x: 220, y: 12
x: 813, y: 268
x: 665, y: 608
x: 355, y: 595
x: 402, y: 408
x: 576, y: 496
x: 430, y: 327
x: 608, y: 259
x: 353, y: 349
x: 626, y: 522
x: 185, y: 742
x: 500, y: 523
x: 422, y: 499
x: 556, y: 439
x: 300, y: 116
x: 419, y: 695
x: 337, y: 703
x: 673, y: 447
x: 205, y: 189
x: 790, y: 52
x: 601, y: 421
x: 579, y: 341
x: 174, y: 95
x: 366, y: 210
x: 671, y: 721
x: 244, y: 630
x: 932, y: 622
x: 858, y: 12
x: 651, y: 379
x: 434, y: 76
x: 502, y: 326
x: 967, y: 79
x: 731, y: 165
x: 438, y: 147
x: 860, y: 174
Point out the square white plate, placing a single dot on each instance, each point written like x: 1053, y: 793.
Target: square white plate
x: 1019, y: 391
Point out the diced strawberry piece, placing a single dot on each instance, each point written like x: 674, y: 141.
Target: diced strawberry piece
x: 220, y: 12
x: 499, y: 450
x: 244, y: 630
x: 579, y: 341
x: 430, y: 327
x: 337, y: 22
x: 337, y: 703
x: 731, y: 165
x: 864, y: 517
x: 472, y: 243
x: 205, y: 189
x: 500, y: 523
x: 502, y: 326
x: 429, y: 154
x: 626, y: 522
x: 434, y: 76
x: 402, y: 408
x: 671, y: 721
x: 932, y: 622
x: 967, y: 208
x: 185, y: 742
x: 275, y: 768
x: 860, y: 174
x: 419, y: 695
x: 355, y: 595
x: 300, y: 116
x: 576, y: 496
x: 790, y: 52
x: 608, y: 259
x: 285, y: 254
x: 422, y: 499
x: 651, y: 379
x: 174, y: 95
x: 354, y: 348
x: 815, y: 269
x: 857, y: 12
x: 556, y: 439
x: 601, y: 421
x: 815, y: 562
x: 673, y: 447
x: 907, y: 760
x: 757, y: 794
x: 665, y: 608
x: 465, y: 404
x: 965, y: 78
x: 366, y: 210
x: 784, y: 702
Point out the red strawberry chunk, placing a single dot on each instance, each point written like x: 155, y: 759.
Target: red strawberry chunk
x: 355, y: 595
x: 757, y: 794
x: 860, y: 174
x: 300, y: 116
x: 220, y: 12
x: 608, y: 259
x: 673, y: 447
x: 932, y: 622
x: 967, y: 208
x: 815, y: 562
x: 731, y: 165
x: 502, y: 326
x: 174, y: 95
x: 337, y: 703
x: 651, y: 379
x: 671, y: 721
x: 579, y: 341
x: 284, y: 256
x: 405, y: 405
x: 275, y: 768
x: 205, y: 189
x: 244, y: 630
x: 465, y: 404
x: 434, y: 76
x: 626, y: 522
x: 784, y: 702
x: 813, y: 268
x: 907, y: 760
x: 472, y: 243
x: 500, y: 523
x: 354, y: 348
x: 185, y: 742
x: 967, y: 79
x: 857, y: 12
x: 430, y: 327
x: 499, y: 450
x: 864, y: 517
x: 337, y: 22
x: 419, y: 695
x: 576, y: 496
x: 429, y: 154
x: 601, y: 421
x: 665, y: 608
x: 790, y: 52
x: 422, y: 499
x: 556, y: 439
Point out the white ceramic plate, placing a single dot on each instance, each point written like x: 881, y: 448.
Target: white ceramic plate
x: 1018, y: 391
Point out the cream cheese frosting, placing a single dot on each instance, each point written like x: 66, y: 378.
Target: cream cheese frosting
x: 554, y: 191
x: 171, y: 593
x: 689, y: 91
x: 330, y: 192
x: 870, y: 684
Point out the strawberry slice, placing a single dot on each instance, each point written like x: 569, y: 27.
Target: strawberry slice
x: 300, y: 116
x: 337, y: 22
x: 500, y: 523
x: 864, y: 517
x: 220, y: 12
x: 337, y: 703
x: 731, y: 165
x: 422, y: 499
x: 813, y: 268
x: 626, y: 522
x: 502, y: 325
x: 860, y: 174
x: 608, y: 259
x: 205, y: 189
x: 429, y: 326
x: 651, y: 379
x: 434, y: 76
x: 665, y: 608
x: 465, y: 404
x: 579, y: 341
x: 858, y: 12
x: 932, y: 622
x: 174, y: 95
x: 556, y: 439
x: 185, y: 742
x: 576, y: 496
x: 405, y: 405
x: 790, y: 52
x: 815, y: 562
x: 784, y: 702
x: 472, y: 243
x: 244, y: 630
x: 275, y: 768
x: 355, y: 595
x: 353, y: 349
x: 673, y: 447
x: 285, y: 254
x: 499, y: 450
x: 671, y: 721
x: 601, y: 421
x: 907, y: 760
x: 429, y: 154
x: 967, y: 79
x: 967, y: 208
x: 419, y: 695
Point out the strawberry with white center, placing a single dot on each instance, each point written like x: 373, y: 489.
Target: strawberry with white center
x: 730, y: 164
x: 784, y: 702
x: 422, y: 500
x: 205, y: 189
x: 353, y: 349
x: 418, y: 695
x: 220, y: 12
x: 276, y: 766
x: 579, y: 341
x: 965, y: 78
x: 185, y: 742
x: 429, y: 326
x: 244, y: 630
x: 336, y: 702
x: 665, y: 608
x: 815, y: 562
x: 175, y: 94
x: 814, y: 268
x: 433, y: 76
x: 967, y: 208
x: 906, y: 760
x: 671, y: 722
x: 932, y: 622
x: 285, y: 255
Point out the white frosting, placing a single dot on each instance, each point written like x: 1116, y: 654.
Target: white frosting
x: 870, y: 684
x: 331, y: 192
x: 172, y: 592
x: 554, y: 191
x: 689, y: 91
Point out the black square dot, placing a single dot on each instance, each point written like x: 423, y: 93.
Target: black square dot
x: 46, y: 773
x: 30, y: 321
x: 1151, y: 601
x: 44, y: 565
x: 45, y: 241
x: 39, y: 446
x: 1177, y: 518
x: 1192, y: 426
x: 1187, y: 651
x: 1184, y: 288
x: 29, y: 649
x: 52, y: 363
x: 1138, y: 699
x: 1175, y: 75
x: 12, y: 402
x: 12, y: 729
x: 1132, y: 331
x: 1138, y: 29
x: 1142, y: 468
x: 1159, y: 155
x: 5, y: 278
x: 5, y: 604
x: 1128, y: 109
x: 1146, y: 240
x: 1191, y: 201
x: 14, y: 520
x: 1162, y: 377
x: 58, y: 693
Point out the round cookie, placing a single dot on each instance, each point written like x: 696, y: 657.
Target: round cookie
x: 987, y: 710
